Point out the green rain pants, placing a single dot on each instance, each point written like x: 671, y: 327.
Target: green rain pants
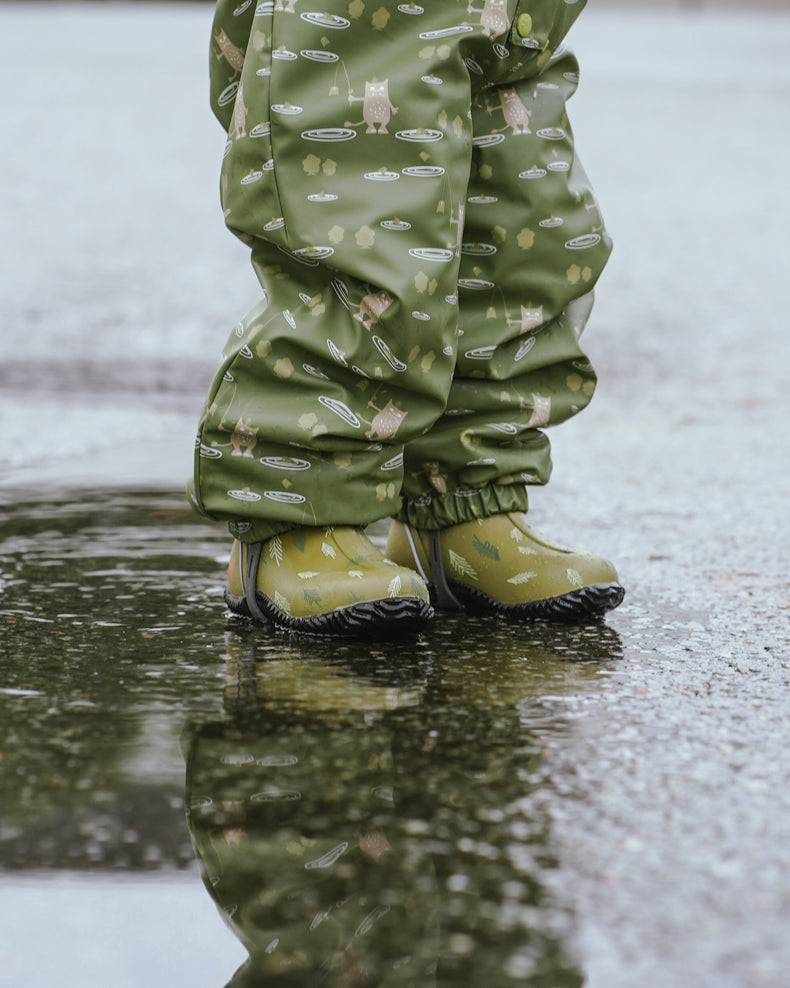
x: 427, y: 245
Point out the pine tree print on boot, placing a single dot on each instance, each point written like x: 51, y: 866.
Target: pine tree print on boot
x: 501, y: 564
x: 325, y: 581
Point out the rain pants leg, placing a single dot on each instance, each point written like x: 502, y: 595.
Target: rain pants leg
x: 427, y: 244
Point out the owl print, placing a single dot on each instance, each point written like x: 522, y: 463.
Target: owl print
x: 387, y: 422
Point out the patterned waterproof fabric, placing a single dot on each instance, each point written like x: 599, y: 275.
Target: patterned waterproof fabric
x: 427, y: 245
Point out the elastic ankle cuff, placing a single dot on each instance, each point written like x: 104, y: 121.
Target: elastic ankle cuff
x: 464, y: 504
x: 254, y: 530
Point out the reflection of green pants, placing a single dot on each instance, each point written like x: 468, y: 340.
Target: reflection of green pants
x: 427, y: 246
x: 292, y: 829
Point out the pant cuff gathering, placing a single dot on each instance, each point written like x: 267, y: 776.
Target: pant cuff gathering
x: 462, y: 505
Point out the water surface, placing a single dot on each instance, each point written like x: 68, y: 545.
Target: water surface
x: 361, y: 813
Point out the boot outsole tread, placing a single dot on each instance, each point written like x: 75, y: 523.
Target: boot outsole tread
x: 394, y: 615
x: 576, y: 605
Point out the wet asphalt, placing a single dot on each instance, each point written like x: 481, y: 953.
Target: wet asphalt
x: 667, y: 786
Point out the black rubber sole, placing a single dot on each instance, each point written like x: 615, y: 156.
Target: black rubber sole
x: 393, y: 616
x: 584, y: 604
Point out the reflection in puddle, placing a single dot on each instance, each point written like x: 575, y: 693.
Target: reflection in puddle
x: 381, y: 828
x: 377, y: 818
x: 364, y: 814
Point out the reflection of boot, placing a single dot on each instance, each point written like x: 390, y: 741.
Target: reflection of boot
x: 501, y: 564
x: 314, y: 680
x: 485, y: 662
x: 325, y: 581
x: 472, y: 659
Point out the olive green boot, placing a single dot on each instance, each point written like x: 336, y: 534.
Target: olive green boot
x: 325, y: 581
x: 501, y: 564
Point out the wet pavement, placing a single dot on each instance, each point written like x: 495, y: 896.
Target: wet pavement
x: 121, y: 665
x: 605, y: 806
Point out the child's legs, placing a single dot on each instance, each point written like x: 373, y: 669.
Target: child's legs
x: 346, y: 170
x: 534, y: 245
x: 352, y: 210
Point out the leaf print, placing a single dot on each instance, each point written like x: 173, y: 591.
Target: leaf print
x: 276, y: 549
x: 487, y: 549
x: 525, y: 550
x: 311, y: 164
x: 524, y: 577
x: 307, y: 574
x: 312, y: 597
x: 328, y: 550
x: 380, y: 18
x: 394, y: 587
x: 525, y: 238
x: 462, y: 566
x: 416, y: 586
x: 283, y: 368
x: 307, y: 421
x: 356, y: 573
x: 574, y: 577
x: 517, y: 535
x: 365, y: 237
x: 281, y: 602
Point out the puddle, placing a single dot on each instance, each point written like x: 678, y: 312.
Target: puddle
x: 361, y: 813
